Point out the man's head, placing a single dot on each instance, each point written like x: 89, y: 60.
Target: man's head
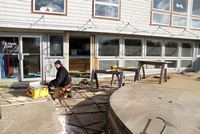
x: 58, y: 64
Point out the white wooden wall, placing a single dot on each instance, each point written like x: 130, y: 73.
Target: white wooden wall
x: 18, y: 14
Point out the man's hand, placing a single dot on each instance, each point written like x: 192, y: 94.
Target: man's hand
x: 49, y: 84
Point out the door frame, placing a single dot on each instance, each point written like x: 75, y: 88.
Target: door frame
x: 21, y: 58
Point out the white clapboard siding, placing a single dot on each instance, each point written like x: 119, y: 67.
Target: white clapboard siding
x: 136, y: 13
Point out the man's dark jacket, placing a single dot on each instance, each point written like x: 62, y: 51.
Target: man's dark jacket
x: 62, y: 78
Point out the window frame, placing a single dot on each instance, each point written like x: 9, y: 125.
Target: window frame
x: 192, y: 49
x: 192, y: 23
x: 194, y: 17
x: 178, y: 44
x: 161, y: 48
x: 198, y: 49
x: 49, y: 46
x: 192, y: 10
x: 107, y: 4
x: 135, y: 39
x: 52, y: 13
x: 160, y: 23
x: 108, y: 37
x: 171, y: 13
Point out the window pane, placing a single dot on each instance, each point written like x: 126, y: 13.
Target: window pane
x: 9, y: 63
x: 133, y: 47
x: 180, y: 6
x: 106, y: 11
x: 187, y: 50
x: 108, y: 47
x: 160, y: 19
x: 179, y: 21
x: 195, y: 23
x: 171, y: 49
x: 56, y: 45
x: 161, y: 4
x: 198, y: 48
x: 31, y: 45
x: 196, y: 7
x: 153, y: 48
x: 106, y: 65
x: 173, y: 64
x: 108, y: 1
x: 131, y: 63
x: 186, y: 63
x: 47, y: 6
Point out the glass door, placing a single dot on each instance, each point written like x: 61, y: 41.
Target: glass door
x: 30, y: 61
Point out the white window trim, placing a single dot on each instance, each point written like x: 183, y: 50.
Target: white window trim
x: 161, y: 9
x: 179, y: 12
x: 161, y: 53
x: 193, y: 50
x: 179, y: 25
x: 191, y: 23
x: 160, y: 23
x: 110, y: 4
x: 165, y: 47
x: 48, y: 47
x: 142, y: 48
x: 107, y: 57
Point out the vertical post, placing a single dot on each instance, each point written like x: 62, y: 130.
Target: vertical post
x: 143, y: 72
x: 92, y: 79
x: 67, y: 51
x: 96, y: 79
x: 139, y: 68
x: 121, y: 79
x: 161, y: 73
x: 136, y: 75
x: 165, y: 71
x: 112, y: 79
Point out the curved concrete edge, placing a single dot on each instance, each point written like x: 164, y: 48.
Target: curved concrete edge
x: 134, y: 108
x: 117, y: 126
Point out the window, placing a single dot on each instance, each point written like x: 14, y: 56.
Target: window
x: 180, y: 6
x: 196, y: 13
x: 161, y: 4
x: 186, y: 63
x: 159, y: 18
x: 198, y: 49
x: 108, y: 47
x: 164, y: 12
x: 196, y: 23
x: 130, y: 63
x: 153, y: 48
x: 133, y: 47
x: 179, y: 21
x: 106, y: 8
x: 196, y: 8
x: 56, y: 45
x: 9, y: 62
x: 171, y: 49
x: 173, y: 64
x: 106, y: 64
x: 49, y: 6
x: 187, y: 50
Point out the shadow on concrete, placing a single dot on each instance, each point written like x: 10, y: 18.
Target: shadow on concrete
x: 87, y: 111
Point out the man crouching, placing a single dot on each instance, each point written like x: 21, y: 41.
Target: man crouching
x: 62, y: 82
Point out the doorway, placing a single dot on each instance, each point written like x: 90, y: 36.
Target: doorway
x: 79, y: 54
x: 30, y: 58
